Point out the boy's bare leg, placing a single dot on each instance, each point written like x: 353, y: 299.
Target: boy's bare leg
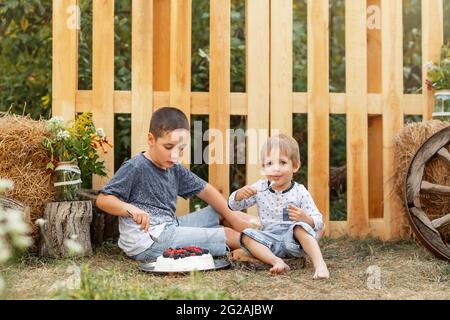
x: 320, y: 233
x: 232, y: 238
x: 264, y: 254
x: 312, y: 249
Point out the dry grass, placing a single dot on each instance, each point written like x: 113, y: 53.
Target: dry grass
x: 408, y: 271
x: 23, y: 159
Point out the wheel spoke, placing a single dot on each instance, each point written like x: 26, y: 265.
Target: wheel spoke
x: 427, y: 187
x: 423, y: 217
x: 441, y: 222
x: 444, y: 155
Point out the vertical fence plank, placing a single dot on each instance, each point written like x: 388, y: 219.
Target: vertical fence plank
x: 432, y: 40
x: 281, y: 12
x: 258, y: 83
x: 219, y: 98
x: 103, y: 78
x: 318, y: 105
x: 161, y: 45
x: 142, y: 73
x: 356, y: 89
x: 375, y: 131
x: 65, y: 57
x: 392, y: 101
x: 180, y: 70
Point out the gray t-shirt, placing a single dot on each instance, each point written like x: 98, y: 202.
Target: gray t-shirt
x: 141, y: 183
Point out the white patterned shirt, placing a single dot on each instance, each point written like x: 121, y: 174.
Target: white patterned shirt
x: 270, y: 204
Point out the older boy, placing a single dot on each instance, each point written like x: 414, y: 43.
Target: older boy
x: 143, y: 193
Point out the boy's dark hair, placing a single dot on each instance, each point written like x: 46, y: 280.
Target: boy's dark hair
x: 167, y: 119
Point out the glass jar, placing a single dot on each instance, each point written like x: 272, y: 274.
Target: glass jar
x: 441, y: 109
x: 67, y: 181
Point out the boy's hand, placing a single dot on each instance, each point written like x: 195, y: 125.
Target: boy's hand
x: 141, y: 217
x: 297, y: 214
x: 245, y: 193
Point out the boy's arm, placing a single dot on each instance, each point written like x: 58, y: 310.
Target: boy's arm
x: 117, y: 207
x: 216, y: 200
x: 312, y: 214
x: 238, y: 203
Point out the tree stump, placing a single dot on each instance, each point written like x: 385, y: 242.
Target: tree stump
x: 104, y: 226
x: 66, y: 222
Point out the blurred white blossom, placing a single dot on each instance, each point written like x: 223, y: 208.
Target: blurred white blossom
x: 63, y: 135
x: 6, y: 185
x: 14, y: 223
x: 13, y: 230
x: 22, y: 242
x: 40, y: 222
x: 73, y: 247
x: 101, y: 133
x: 2, y: 285
x: 429, y: 65
x: 5, y: 252
x: 57, y: 119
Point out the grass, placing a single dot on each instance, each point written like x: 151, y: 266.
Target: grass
x: 408, y: 271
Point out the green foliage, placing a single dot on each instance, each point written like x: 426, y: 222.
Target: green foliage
x: 107, y: 286
x: 439, y: 73
x: 337, y: 46
x: 300, y: 53
x: 25, y: 57
x: 412, y: 47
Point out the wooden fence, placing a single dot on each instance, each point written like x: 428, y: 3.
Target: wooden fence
x: 374, y: 102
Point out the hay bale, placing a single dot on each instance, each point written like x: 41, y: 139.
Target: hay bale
x: 406, y: 144
x: 23, y: 160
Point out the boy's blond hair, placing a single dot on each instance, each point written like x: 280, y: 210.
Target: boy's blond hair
x: 285, y: 144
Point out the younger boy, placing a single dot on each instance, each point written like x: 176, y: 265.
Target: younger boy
x: 143, y: 193
x: 291, y: 222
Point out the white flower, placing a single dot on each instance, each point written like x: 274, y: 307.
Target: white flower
x: 5, y: 252
x: 101, y: 133
x: 73, y: 247
x: 21, y: 242
x: 63, y: 135
x: 14, y: 222
x: 6, y: 185
x: 40, y: 222
x: 429, y: 65
x: 2, y: 285
x: 74, y: 236
x: 57, y: 119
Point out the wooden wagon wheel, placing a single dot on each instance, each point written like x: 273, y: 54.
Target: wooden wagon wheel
x: 425, y: 229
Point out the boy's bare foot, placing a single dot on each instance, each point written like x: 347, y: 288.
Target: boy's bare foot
x: 279, y: 267
x: 321, y: 272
